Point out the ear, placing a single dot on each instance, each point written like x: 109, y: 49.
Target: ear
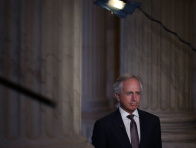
x: 117, y: 97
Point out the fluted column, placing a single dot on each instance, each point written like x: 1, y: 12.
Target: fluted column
x: 163, y: 63
x: 93, y: 57
x: 194, y: 56
x: 41, y: 50
x: 100, y: 43
x: 97, y: 59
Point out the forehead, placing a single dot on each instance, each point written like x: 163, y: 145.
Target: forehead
x: 131, y: 83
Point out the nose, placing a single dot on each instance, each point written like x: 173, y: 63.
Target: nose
x: 134, y: 96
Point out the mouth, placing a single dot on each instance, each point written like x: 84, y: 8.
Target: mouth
x: 133, y: 104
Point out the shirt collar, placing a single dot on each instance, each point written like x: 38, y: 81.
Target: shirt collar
x: 124, y: 114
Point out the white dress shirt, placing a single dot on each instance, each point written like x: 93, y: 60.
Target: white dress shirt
x: 127, y: 121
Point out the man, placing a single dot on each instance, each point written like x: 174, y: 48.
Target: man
x: 118, y: 129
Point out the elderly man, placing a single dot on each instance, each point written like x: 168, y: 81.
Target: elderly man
x: 128, y: 126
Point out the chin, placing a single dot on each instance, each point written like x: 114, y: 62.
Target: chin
x: 134, y: 108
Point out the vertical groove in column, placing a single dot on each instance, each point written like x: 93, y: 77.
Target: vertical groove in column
x: 123, y: 45
x: 145, y: 57
x: 11, y: 69
x: 86, y: 48
x: 93, y: 51
x: 84, y: 53
x: 48, y: 63
x: 137, y: 43
x: 37, y: 59
x: 168, y: 40
x: 155, y: 41
x: 173, y: 60
x: 181, y: 57
x: 90, y: 50
x: 190, y: 59
x: 68, y: 66
x: 60, y: 91
x: 97, y: 53
x: 87, y: 53
x: 164, y: 59
x: 29, y: 71
x: 149, y: 57
x: 62, y: 53
x: 177, y: 26
x: 158, y: 89
x: 183, y: 71
x: 76, y: 49
x: 185, y: 51
x: 131, y: 43
x: 102, y: 49
x: 187, y: 30
x: 23, y: 46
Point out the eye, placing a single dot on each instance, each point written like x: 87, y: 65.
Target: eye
x: 138, y: 93
x: 129, y: 93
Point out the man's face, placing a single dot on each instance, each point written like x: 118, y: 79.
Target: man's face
x: 130, y: 95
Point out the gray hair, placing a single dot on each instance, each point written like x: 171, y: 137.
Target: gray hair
x: 117, y: 86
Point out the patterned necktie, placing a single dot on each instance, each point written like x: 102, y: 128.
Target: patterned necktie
x: 134, y: 133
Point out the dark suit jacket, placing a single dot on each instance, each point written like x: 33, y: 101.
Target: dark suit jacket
x: 110, y: 132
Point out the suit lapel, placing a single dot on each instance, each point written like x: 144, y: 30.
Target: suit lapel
x: 120, y: 129
x: 142, y: 128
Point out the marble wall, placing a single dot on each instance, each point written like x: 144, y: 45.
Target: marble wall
x: 41, y: 51
x: 164, y: 65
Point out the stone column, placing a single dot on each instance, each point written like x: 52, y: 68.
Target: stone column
x: 194, y: 56
x: 41, y: 50
x: 164, y: 65
x: 93, y: 57
x: 100, y: 42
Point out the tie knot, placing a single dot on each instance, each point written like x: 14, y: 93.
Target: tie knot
x: 130, y: 117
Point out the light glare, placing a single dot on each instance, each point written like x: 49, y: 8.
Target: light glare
x: 116, y: 4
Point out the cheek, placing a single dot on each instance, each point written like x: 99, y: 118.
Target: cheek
x: 138, y: 100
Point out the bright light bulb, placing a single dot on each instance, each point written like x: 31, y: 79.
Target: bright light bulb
x: 116, y: 4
